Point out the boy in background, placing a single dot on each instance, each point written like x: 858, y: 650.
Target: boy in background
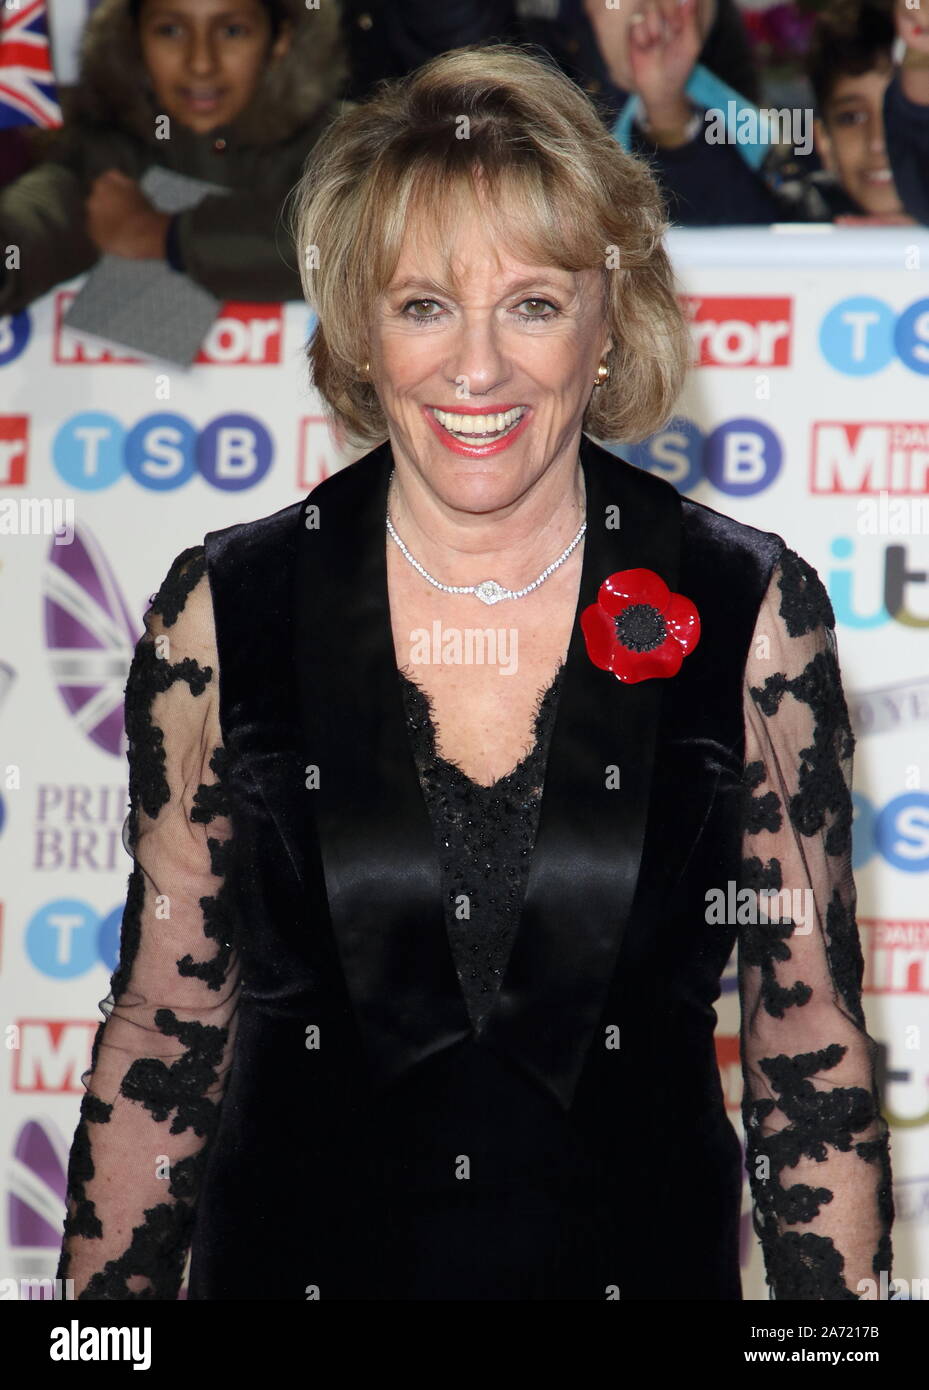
x: 241, y: 88
x: 850, y: 66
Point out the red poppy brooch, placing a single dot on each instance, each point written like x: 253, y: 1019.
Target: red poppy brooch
x: 637, y: 628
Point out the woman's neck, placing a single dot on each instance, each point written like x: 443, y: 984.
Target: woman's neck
x: 512, y: 543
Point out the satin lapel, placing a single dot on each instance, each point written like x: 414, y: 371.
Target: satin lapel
x: 586, y: 859
x: 379, y: 858
x: 377, y: 849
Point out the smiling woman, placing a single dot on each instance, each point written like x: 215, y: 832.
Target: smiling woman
x: 431, y: 1016
x: 536, y: 173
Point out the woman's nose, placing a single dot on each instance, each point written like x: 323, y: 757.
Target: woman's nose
x: 478, y: 358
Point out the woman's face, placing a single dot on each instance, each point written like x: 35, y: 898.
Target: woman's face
x: 205, y: 57
x: 523, y: 340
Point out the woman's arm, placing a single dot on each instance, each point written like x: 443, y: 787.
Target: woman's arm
x: 818, y: 1148
x: 161, y: 1056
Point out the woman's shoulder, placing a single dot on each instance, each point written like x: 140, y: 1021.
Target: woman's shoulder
x: 233, y: 572
x: 247, y: 542
x: 788, y: 584
x: 724, y: 541
x: 247, y: 554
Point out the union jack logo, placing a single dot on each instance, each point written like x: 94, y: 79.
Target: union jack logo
x: 28, y: 95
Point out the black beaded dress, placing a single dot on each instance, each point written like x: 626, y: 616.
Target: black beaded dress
x: 212, y: 1028
x: 484, y: 836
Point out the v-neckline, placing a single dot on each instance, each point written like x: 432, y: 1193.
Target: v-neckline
x: 377, y: 846
x: 543, y: 700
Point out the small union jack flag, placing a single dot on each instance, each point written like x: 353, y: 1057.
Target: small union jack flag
x: 28, y: 95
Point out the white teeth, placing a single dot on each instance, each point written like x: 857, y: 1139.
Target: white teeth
x: 479, y: 424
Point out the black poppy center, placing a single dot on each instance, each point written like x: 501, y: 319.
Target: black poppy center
x: 640, y: 627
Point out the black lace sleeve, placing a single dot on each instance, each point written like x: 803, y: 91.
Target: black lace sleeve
x: 817, y: 1146
x: 161, y: 1053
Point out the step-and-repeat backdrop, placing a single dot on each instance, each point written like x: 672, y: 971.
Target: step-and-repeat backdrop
x: 806, y: 413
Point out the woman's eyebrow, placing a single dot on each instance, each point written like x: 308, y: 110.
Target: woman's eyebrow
x: 527, y: 282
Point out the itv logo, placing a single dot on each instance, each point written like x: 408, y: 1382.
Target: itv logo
x: 899, y: 582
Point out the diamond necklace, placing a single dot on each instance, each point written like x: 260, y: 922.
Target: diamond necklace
x: 488, y: 591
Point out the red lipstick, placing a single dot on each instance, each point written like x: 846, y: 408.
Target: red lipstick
x: 471, y: 451
x: 480, y: 409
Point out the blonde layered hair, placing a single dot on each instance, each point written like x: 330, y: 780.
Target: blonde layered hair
x: 498, y: 122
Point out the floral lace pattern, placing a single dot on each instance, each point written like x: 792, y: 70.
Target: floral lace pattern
x: 485, y: 837
x: 817, y: 1146
x: 159, y: 1058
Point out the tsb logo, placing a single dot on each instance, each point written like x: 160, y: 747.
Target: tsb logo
x: 67, y: 937
x: 15, y: 332
x: 162, y: 451
x: 740, y: 332
x: 740, y: 457
x: 898, y: 831
x: 862, y: 335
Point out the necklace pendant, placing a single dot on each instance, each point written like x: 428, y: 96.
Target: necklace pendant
x: 489, y: 591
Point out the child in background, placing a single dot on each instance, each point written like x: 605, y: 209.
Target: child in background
x: 906, y: 107
x: 247, y: 86
x: 655, y: 53
x: 856, y: 92
x: 850, y: 65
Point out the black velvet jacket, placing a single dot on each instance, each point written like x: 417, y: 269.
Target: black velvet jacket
x: 339, y: 887
x: 291, y: 1035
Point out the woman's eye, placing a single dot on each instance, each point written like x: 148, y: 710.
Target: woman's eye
x: 528, y: 318
x: 413, y: 303
x: 551, y: 306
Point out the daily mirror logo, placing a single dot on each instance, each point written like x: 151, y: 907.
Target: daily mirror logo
x: 243, y: 334
x: 865, y: 458
x: 740, y: 332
